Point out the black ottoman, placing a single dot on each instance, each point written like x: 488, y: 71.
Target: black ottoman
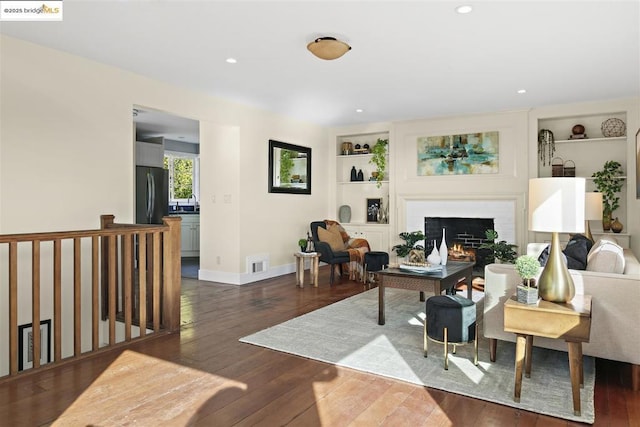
x: 374, y: 261
x: 451, y: 319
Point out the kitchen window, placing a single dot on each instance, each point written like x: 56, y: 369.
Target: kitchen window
x: 184, y: 169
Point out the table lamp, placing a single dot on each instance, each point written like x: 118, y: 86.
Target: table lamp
x: 592, y: 210
x: 556, y: 205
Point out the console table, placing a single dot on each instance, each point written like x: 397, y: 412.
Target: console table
x: 568, y: 321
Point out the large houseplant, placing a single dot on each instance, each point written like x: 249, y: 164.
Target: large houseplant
x: 501, y: 250
x: 379, y: 159
x: 608, y: 181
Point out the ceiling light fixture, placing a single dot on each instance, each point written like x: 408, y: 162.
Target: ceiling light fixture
x: 522, y: 91
x: 231, y: 60
x: 464, y: 9
x: 328, y: 48
x: 359, y: 110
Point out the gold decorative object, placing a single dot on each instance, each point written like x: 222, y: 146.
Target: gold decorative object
x: 616, y: 226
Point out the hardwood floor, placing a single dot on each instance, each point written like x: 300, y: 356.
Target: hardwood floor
x: 204, y: 376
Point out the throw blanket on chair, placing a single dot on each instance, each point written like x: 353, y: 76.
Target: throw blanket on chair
x: 356, y: 249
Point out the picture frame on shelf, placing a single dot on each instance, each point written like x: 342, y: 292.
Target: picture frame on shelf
x: 25, y: 344
x: 373, y: 206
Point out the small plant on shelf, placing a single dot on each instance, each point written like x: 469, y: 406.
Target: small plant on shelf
x: 303, y: 244
x: 410, y: 240
x: 379, y: 159
x: 502, y: 250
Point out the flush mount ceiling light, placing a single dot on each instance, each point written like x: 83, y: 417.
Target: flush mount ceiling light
x: 328, y: 48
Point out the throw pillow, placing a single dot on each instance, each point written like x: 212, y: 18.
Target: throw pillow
x: 332, y: 237
x: 544, y: 256
x: 606, y: 256
x: 576, y: 252
x: 337, y: 228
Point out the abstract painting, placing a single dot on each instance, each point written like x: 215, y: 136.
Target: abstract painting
x: 464, y: 154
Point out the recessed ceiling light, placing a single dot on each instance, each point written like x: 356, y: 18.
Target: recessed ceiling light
x: 231, y: 60
x: 522, y: 91
x: 359, y: 110
x: 464, y: 9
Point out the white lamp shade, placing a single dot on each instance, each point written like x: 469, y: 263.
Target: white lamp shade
x: 557, y: 205
x: 593, y: 206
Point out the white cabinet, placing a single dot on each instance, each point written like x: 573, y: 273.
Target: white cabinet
x: 376, y: 234
x: 150, y: 154
x: 190, y: 235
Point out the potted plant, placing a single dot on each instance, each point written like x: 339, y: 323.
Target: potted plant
x: 410, y: 240
x: 527, y: 267
x: 379, y: 159
x: 303, y: 245
x: 608, y: 181
x: 501, y: 250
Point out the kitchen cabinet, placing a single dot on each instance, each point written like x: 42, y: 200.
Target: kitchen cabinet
x: 150, y: 154
x: 190, y: 235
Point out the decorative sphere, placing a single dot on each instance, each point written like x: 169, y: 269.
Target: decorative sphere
x: 577, y: 129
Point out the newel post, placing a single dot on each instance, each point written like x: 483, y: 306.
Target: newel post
x: 172, y: 265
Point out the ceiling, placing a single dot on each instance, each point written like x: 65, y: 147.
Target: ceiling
x: 409, y: 59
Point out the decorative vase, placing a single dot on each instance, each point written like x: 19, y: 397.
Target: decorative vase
x: 354, y: 174
x: 606, y: 221
x: 360, y: 175
x: 434, y: 257
x: 444, y: 251
x: 616, y: 226
x: 344, y: 214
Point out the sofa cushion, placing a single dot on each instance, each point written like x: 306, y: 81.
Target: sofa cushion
x: 332, y: 237
x: 606, y: 256
x: 576, y: 252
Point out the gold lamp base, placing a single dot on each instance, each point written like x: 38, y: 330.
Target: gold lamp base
x: 555, y: 283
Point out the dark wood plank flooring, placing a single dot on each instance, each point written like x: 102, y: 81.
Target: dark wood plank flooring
x: 256, y: 386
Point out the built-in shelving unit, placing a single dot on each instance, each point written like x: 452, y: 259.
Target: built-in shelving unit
x: 588, y: 154
x: 355, y: 193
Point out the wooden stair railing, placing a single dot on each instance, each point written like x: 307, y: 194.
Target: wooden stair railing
x: 134, y: 286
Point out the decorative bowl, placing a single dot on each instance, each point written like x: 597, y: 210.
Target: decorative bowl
x: 612, y: 128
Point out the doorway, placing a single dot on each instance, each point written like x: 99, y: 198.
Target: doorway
x: 172, y: 142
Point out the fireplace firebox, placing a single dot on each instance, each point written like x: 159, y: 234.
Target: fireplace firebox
x: 463, y: 238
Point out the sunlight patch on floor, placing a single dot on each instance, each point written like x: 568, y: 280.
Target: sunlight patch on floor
x: 143, y: 390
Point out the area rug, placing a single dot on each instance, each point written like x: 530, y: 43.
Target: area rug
x: 347, y: 334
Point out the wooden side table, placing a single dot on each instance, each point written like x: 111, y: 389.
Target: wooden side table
x: 568, y: 321
x: 313, y: 268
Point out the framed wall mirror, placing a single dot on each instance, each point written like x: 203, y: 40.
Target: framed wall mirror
x: 289, y: 168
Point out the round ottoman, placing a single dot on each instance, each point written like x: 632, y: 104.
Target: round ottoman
x: 451, y: 319
x: 374, y: 261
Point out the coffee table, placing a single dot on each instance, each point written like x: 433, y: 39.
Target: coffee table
x: 434, y: 282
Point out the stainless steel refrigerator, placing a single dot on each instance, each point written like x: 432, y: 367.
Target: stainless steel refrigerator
x: 152, y: 194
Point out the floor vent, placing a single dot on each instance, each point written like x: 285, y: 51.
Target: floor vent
x: 257, y: 263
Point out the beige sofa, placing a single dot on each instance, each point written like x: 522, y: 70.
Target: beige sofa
x: 615, y: 322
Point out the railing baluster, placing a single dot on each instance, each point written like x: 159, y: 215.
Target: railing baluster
x: 156, y: 281
x: 35, y: 302
x: 112, y: 265
x: 95, y: 308
x: 142, y: 281
x: 57, y: 300
x: 13, y: 308
x: 77, y: 297
x: 126, y: 273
